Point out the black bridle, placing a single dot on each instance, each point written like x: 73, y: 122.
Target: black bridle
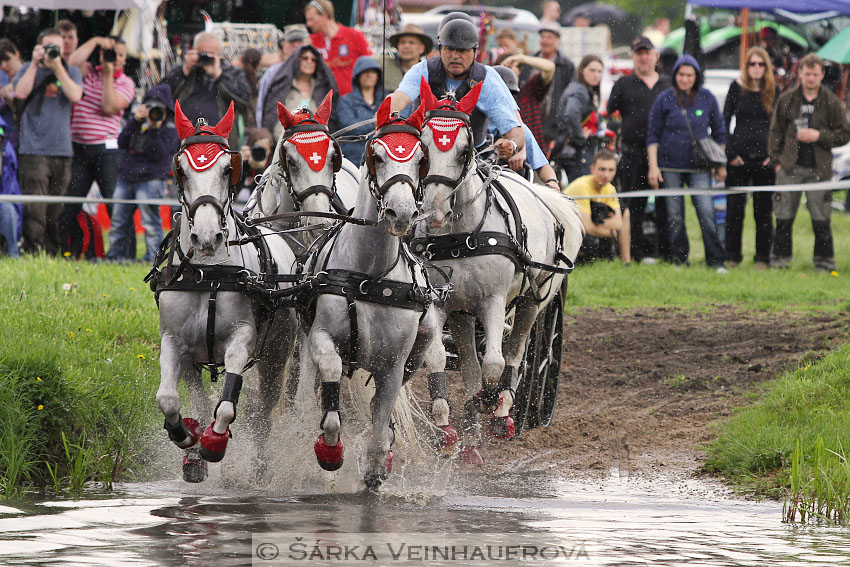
x: 396, y: 125
x: 234, y: 173
x: 448, y: 111
x: 311, y: 125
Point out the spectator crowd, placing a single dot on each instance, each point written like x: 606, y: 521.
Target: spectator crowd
x: 70, y: 117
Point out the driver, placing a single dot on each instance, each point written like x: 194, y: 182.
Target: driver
x: 455, y: 70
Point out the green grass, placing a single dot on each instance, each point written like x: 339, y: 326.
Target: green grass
x: 78, y: 372
x: 609, y: 284
x: 792, y: 442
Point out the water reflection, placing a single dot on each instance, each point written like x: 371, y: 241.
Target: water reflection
x: 628, y: 522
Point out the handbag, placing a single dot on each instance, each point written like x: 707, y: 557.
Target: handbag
x: 706, y: 152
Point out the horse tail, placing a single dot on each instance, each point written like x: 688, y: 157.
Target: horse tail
x: 566, y: 213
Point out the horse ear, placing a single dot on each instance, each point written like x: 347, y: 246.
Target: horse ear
x: 468, y: 102
x: 286, y: 118
x: 184, y: 127
x: 426, y: 96
x: 225, y: 125
x: 323, y: 113
x: 383, y: 114
x: 418, y: 117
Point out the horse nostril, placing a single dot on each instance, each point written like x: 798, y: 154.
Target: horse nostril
x: 193, y: 238
x: 414, y: 216
x: 390, y: 214
x: 219, y: 239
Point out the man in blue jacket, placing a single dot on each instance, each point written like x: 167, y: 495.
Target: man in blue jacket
x: 150, y: 142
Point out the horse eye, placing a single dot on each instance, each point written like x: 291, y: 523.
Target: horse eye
x: 291, y: 162
x: 379, y: 159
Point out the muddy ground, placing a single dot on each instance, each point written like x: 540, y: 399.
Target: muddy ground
x: 641, y: 390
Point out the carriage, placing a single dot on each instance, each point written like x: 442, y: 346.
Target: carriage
x: 356, y: 290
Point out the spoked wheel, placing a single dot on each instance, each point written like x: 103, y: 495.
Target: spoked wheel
x: 541, y: 368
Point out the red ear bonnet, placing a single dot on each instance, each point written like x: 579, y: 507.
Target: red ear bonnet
x: 467, y: 103
x: 383, y: 115
x: 184, y: 127
x: 286, y: 118
x: 225, y: 125
x: 323, y: 113
x: 426, y: 97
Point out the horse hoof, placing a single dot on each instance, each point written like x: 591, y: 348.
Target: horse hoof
x: 487, y: 402
x: 330, y: 458
x: 502, y: 427
x: 194, y: 468
x: 447, y: 439
x: 213, y: 445
x: 373, y: 482
x: 469, y: 455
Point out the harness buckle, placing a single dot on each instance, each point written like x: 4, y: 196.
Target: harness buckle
x: 469, y: 245
x: 360, y: 287
x: 201, y: 273
x: 455, y: 253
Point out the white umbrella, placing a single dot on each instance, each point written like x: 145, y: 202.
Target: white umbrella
x: 79, y: 4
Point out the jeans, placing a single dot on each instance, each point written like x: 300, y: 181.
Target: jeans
x: 121, y: 246
x: 9, y: 228
x: 92, y: 162
x: 715, y: 251
x: 751, y: 173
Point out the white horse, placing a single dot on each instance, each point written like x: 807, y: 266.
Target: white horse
x: 370, y: 295
x: 495, y: 259
x: 216, y: 301
x: 308, y: 173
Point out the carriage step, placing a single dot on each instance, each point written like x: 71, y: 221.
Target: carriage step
x: 194, y: 468
x: 330, y: 458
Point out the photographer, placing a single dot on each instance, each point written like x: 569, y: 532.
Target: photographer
x: 47, y: 90
x: 95, y: 124
x: 205, y: 85
x: 150, y: 143
x: 256, y: 157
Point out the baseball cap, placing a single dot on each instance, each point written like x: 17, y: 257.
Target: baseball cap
x: 295, y: 32
x: 642, y: 42
x: 551, y: 27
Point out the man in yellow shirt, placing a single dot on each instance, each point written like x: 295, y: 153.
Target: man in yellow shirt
x: 605, y: 223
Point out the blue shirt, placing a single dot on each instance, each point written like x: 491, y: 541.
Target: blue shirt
x: 496, y: 101
x: 534, y: 156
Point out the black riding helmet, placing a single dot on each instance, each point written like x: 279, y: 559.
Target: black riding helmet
x: 509, y: 77
x: 459, y: 34
x: 454, y: 16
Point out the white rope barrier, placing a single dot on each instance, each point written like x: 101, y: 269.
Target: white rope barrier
x: 820, y: 186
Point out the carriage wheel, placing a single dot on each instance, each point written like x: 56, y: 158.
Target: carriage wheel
x: 541, y: 368
x: 549, y: 364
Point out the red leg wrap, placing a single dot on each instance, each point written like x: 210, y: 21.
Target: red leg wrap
x: 388, y: 462
x: 194, y: 428
x: 330, y: 458
x: 449, y: 437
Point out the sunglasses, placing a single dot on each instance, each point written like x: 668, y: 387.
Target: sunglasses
x: 311, y: 59
x: 317, y: 6
x: 757, y: 64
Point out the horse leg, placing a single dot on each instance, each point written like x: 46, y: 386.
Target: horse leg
x: 435, y: 362
x: 194, y: 467
x: 492, y: 317
x: 328, y: 447
x: 183, y: 432
x: 379, y: 456
x: 308, y: 373
x: 216, y: 435
x: 462, y: 328
x: 501, y: 423
x: 272, y: 373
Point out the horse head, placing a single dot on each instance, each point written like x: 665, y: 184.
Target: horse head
x: 308, y: 156
x: 397, y: 161
x: 207, y: 173
x: 447, y: 133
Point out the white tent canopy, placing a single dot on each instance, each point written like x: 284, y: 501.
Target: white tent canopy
x: 79, y: 4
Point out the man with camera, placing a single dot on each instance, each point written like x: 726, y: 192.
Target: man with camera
x: 205, y: 84
x: 150, y: 143
x: 47, y: 90
x: 95, y: 125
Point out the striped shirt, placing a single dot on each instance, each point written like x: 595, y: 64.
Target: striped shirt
x: 89, y: 125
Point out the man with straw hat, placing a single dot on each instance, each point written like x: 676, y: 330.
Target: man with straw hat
x: 411, y: 45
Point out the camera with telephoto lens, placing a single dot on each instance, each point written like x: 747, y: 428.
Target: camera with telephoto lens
x: 52, y: 51
x: 205, y: 58
x: 259, y: 154
x: 109, y: 55
x: 156, y: 111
